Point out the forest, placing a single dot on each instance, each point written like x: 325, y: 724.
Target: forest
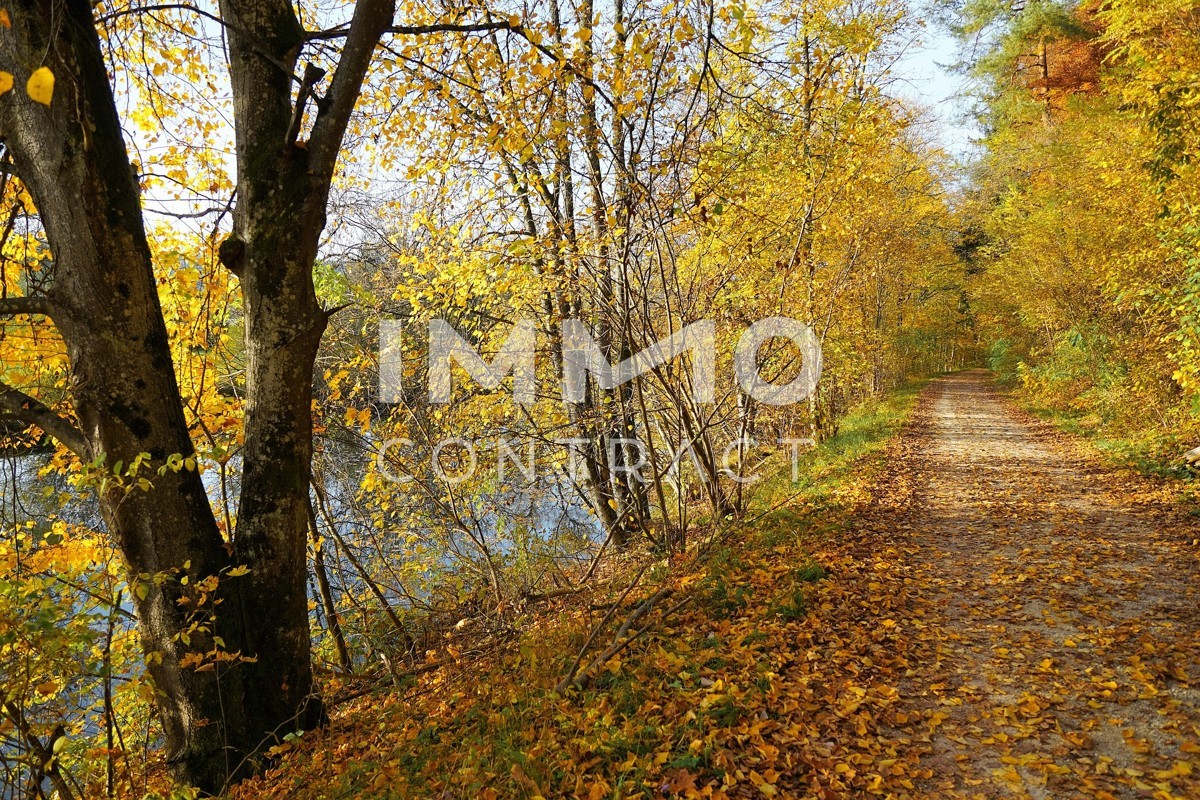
x: 392, y: 393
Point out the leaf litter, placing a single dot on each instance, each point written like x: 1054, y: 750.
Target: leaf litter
x: 990, y: 612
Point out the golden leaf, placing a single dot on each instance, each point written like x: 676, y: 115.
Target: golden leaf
x: 41, y: 85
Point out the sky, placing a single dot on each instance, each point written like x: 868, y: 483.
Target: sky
x: 925, y: 77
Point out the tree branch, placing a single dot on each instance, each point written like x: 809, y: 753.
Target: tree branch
x: 124, y: 12
x: 371, y: 19
x: 14, y: 306
x: 32, y: 411
x: 579, y: 679
x: 565, y: 64
x: 451, y: 27
x: 199, y: 12
x: 312, y: 74
x: 418, y: 30
x: 43, y: 752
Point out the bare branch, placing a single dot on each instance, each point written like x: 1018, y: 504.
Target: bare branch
x: 30, y: 410
x: 571, y: 673
x: 125, y: 12
x: 450, y: 27
x: 419, y: 30
x: 620, y: 640
x: 312, y: 74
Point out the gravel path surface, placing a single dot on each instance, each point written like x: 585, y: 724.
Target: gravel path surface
x: 1063, y: 599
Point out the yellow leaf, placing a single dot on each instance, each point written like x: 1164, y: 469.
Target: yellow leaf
x: 41, y: 85
x: 5, y: 22
x: 238, y: 572
x: 6, y: 82
x: 1181, y: 768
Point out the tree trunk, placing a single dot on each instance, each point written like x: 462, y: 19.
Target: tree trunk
x: 104, y: 301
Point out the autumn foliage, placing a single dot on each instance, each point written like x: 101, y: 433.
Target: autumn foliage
x: 1086, y: 198
x: 232, y: 514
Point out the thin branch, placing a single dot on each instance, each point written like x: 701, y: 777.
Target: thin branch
x: 619, y: 641
x: 43, y: 752
x: 574, y: 669
x: 208, y: 15
x: 451, y: 27
x: 312, y: 74
x: 565, y: 64
x: 418, y: 30
x: 125, y: 12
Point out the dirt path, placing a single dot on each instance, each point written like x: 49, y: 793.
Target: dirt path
x: 1063, y: 602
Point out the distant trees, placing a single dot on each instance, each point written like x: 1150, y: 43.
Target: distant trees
x: 647, y: 166
x: 1087, y: 195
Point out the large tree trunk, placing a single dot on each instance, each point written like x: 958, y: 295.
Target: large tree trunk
x: 277, y: 223
x: 104, y: 301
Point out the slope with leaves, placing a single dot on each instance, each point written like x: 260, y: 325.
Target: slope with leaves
x: 770, y: 667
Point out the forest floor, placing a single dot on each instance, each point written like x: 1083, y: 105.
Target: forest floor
x: 979, y: 608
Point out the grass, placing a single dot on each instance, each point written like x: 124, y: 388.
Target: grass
x: 1153, y: 452
x: 829, y: 480
x: 831, y: 477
